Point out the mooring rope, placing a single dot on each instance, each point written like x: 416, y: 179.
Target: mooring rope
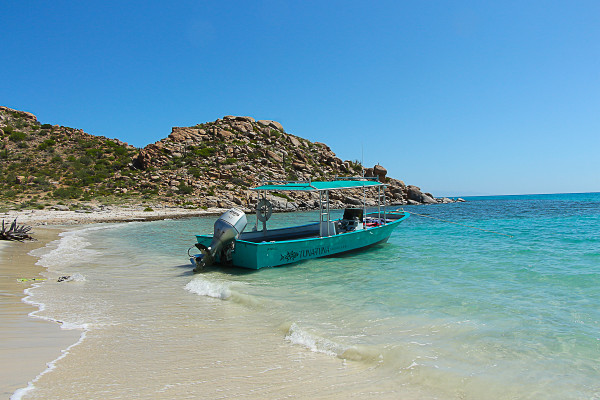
x: 456, y: 223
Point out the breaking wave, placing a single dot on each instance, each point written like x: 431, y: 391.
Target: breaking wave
x: 222, y: 290
x: 203, y: 287
x: 319, y: 344
x: 71, y: 248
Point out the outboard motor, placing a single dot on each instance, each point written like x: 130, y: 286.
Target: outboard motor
x: 227, y: 228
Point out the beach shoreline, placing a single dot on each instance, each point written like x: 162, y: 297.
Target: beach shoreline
x: 34, y: 341
x: 29, y: 343
x: 49, y: 217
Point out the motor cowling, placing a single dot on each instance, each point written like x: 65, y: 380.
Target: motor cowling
x: 226, y: 229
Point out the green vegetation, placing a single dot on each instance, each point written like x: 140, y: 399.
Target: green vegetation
x: 184, y: 189
x: 17, y: 136
x: 195, y: 172
x: 67, y: 193
x: 46, y: 144
x: 207, y: 152
x: 59, y: 163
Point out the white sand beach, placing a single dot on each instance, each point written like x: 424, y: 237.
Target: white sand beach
x: 29, y: 343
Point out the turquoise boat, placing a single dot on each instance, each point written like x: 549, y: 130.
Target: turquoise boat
x: 260, y: 248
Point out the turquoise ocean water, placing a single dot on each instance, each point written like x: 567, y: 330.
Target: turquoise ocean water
x: 440, y: 311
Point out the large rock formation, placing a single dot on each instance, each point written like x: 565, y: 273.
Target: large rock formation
x: 207, y: 165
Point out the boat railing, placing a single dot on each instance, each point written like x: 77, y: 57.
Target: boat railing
x: 324, y: 205
x: 380, y: 193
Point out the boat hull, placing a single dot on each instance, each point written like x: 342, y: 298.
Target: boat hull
x: 255, y: 255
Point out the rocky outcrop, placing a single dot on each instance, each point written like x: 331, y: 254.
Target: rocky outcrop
x: 416, y: 196
x: 272, y: 124
x: 380, y: 172
x: 207, y: 165
x: 6, y: 114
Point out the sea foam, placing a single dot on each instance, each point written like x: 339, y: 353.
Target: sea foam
x: 204, y: 287
x: 313, y: 342
x: 70, y: 248
x: 320, y: 344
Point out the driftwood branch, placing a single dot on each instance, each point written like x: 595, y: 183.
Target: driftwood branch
x: 15, y: 232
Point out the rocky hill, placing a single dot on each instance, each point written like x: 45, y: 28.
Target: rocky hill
x: 208, y: 165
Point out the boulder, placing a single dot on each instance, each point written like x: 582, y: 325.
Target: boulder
x: 179, y: 134
x: 380, y: 172
x: 428, y: 200
x: 273, y: 156
x: 369, y: 173
x: 245, y: 119
x: 143, y: 159
x: 22, y: 114
x: 396, y: 182
x: 278, y: 203
x: 242, y: 126
x: 352, y: 200
x: 298, y: 165
x: 271, y: 124
x: 415, y: 194
x: 295, y: 141
x: 327, y: 148
x: 222, y: 133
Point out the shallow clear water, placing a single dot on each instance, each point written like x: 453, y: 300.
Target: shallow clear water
x: 440, y: 311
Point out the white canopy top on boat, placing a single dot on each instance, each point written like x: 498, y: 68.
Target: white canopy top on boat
x: 316, y: 185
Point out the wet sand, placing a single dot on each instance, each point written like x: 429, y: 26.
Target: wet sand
x: 28, y: 343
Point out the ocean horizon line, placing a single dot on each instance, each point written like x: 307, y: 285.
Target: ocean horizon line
x: 465, y: 196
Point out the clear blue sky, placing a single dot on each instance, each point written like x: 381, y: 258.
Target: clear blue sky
x: 457, y: 97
